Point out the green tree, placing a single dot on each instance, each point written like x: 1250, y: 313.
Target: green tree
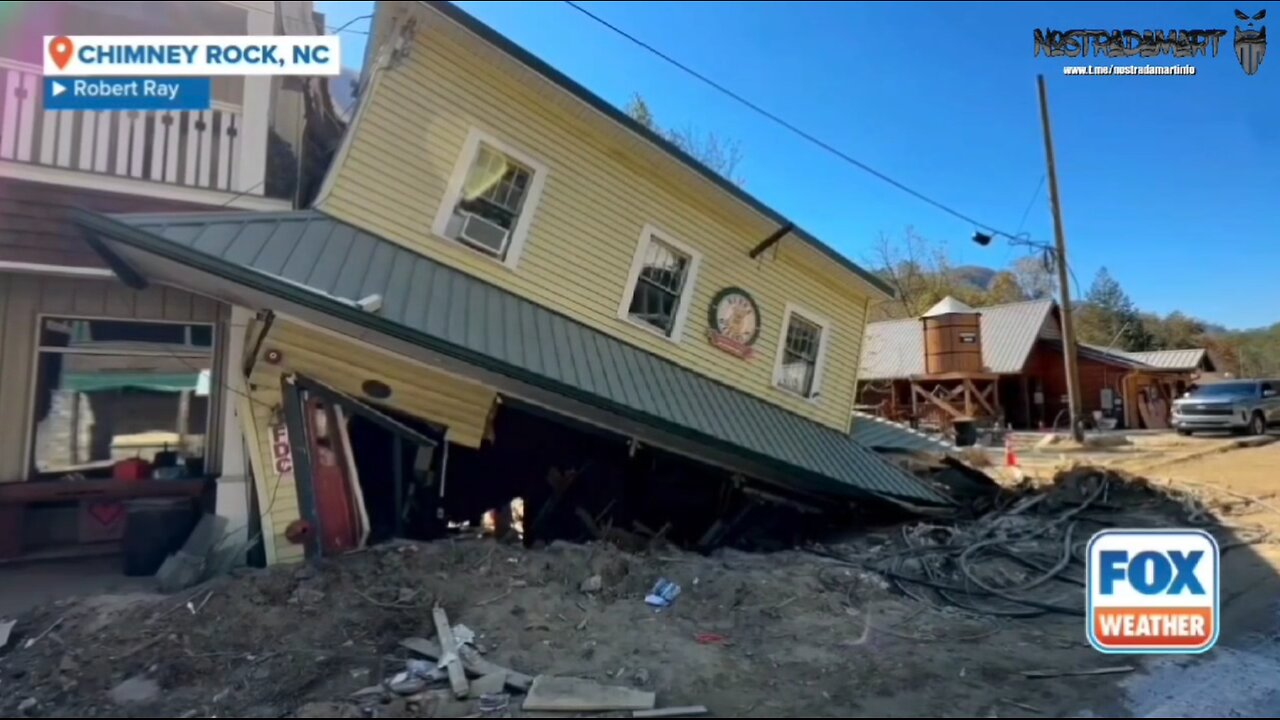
x: 721, y: 155
x: 1108, y: 317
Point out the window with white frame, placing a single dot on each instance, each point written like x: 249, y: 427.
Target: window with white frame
x: 660, y: 285
x: 490, y: 199
x: 800, y: 354
x: 109, y: 390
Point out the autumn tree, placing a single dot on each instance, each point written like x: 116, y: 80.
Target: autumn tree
x: 917, y: 270
x: 1004, y: 288
x: 1175, y: 331
x: 720, y: 154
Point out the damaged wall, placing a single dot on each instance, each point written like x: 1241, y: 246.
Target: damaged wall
x: 416, y: 390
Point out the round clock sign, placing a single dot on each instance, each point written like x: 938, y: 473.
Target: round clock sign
x: 735, y: 321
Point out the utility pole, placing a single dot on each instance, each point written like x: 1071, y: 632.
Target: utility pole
x: 1060, y: 240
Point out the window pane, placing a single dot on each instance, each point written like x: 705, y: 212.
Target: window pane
x: 656, y: 298
x: 122, y: 335
x: 800, y: 355
x: 495, y: 187
x: 802, y: 338
x: 797, y: 374
x: 93, y: 410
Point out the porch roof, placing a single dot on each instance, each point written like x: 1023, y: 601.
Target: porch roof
x: 313, y: 260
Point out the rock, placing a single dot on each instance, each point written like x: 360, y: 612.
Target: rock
x: 68, y: 664
x: 28, y: 706
x: 135, y: 690
x: 180, y: 570
x: 491, y: 684
x: 640, y: 677
x: 406, y: 595
x: 306, y: 596
x: 592, y: 584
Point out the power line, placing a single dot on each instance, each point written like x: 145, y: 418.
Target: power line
x: 1031, y: 203
x: 330, y: 28
x: 348, y: 24
x: 790, y: 126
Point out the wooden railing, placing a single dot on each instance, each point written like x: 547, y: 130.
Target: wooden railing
x: 194, y: 149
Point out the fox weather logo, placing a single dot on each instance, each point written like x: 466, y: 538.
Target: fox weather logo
x: 1152, y: 591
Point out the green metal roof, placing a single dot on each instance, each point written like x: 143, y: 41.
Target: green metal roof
x: 313, y: 259
x: 541, y: 67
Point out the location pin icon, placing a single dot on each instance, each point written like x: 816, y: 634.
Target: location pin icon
x: 60, y: 49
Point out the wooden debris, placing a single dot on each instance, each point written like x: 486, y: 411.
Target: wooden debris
x: 685, y: 711
x: 568, y: 694
x: 451, y: 649
x: 1073, y: 673
x: 1022, y: 705
x: 471, y: 661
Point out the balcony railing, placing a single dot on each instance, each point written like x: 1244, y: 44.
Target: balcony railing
x: 193, y: 149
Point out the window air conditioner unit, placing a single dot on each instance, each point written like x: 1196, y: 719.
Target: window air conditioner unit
x: 483, y: 234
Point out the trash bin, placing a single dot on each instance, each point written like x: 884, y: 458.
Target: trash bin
x: 966, y: 433
x: 154, y: 529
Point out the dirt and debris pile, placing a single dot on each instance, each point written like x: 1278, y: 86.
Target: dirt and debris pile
x: 1022, y: 553
x: 924, y: 618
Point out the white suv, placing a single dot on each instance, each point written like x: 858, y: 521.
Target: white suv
x: 1237, y: 405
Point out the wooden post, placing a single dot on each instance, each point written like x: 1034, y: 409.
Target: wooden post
x: 74, y: 449
x: 184, y: 420
x: 1060, y: 240
x: 249, y: 169
x: 1026, y: 402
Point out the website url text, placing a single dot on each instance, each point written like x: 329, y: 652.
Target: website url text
x: 1129, y: 70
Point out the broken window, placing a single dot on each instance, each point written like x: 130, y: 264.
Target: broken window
x: 799, y: 363
x: 662, y: 277
x: 109, y: 390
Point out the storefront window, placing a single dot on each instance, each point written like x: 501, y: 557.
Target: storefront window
x: 110, y: 390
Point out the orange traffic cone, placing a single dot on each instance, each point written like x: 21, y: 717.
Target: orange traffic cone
x: 1010, y: 457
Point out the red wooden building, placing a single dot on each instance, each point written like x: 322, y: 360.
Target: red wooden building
x: 1021, y: 351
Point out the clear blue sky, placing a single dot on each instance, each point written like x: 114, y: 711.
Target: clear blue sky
x: 1173, y: 183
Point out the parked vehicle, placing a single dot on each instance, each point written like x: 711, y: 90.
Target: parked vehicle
x: 1237, y: 405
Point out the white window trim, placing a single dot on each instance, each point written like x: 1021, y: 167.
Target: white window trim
x: 686, y: 292
x: 824, y: 344
x: 519, y: 233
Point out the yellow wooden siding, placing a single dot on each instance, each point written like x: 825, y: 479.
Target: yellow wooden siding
x: 461, y: 406
x: 601, y: 190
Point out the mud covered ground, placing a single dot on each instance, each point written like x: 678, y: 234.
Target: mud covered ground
x: 757, y: 635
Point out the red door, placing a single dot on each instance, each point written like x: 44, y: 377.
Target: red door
x: 336, y: 508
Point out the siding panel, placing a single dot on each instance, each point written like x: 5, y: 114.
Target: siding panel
x: 602, y: 188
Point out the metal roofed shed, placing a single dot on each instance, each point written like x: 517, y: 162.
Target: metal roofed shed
x: 1022, y: 348
x: 894, y: 349
x: 312, y: 261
